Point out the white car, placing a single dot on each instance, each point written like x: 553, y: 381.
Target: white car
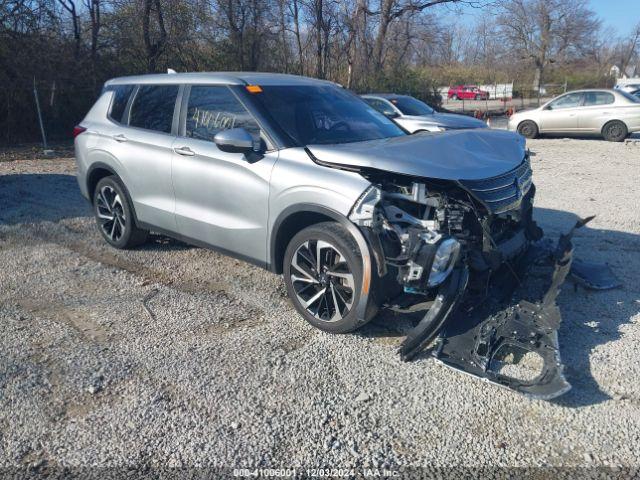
x: 612, y: 114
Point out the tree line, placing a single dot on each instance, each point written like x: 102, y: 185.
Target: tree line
x: 68, y: 48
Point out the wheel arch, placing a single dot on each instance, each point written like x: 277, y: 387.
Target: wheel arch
x: 100, y: 170
x: 527, y: 120
x: 97, y: 172
x: 292, y: 220
x: 296, y: 217
x: 612, y: 120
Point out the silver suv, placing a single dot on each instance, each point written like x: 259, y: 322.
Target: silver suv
x: 303, y: 178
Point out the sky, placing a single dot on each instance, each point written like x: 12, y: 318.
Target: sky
x: 621, y: 15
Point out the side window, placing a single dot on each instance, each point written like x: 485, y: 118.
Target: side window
x: 119, y: 103
x: 598, y: 98
x: 380, y: 106
x: 213, y: 109
x: 153, y: 106
x: 567, y: 101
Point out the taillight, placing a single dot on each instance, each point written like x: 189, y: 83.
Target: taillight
x: 77, y: 130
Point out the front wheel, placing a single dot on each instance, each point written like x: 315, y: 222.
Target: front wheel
x: 615, y: 131
x: 323, y: 276
x: 528, y: 129
x: 114, y: 215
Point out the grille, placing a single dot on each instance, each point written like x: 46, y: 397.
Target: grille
x: 504, y: 192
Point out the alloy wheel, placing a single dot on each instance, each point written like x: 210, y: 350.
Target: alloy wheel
x: 322, y: 280
x: 110, y: 213
x: 616, y: 130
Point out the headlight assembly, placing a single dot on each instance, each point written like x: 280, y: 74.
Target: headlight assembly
x: 443, y: 261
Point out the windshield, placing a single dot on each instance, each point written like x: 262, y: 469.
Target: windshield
x: 629, y: 96
x: 324, y: 114
x: 412, y: 106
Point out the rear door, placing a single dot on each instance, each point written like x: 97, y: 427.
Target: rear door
x: 143, y: 145
x: 597, y: 110
x: 561, y: 115
x: 222, y: 198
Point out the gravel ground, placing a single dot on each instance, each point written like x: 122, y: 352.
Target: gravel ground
x: 175, y: 356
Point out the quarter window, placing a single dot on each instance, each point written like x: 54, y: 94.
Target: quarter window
x: 213, y: 109
x: 598, y: 98
x: 120, y: 98
x: 153, y: 107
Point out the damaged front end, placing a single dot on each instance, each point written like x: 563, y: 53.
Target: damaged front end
x: 469, y: 254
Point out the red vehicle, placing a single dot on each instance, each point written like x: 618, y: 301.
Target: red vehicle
x: 467, y: 92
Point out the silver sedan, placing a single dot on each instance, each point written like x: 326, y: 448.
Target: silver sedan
x: 612, y: 114
x: 416, y: 116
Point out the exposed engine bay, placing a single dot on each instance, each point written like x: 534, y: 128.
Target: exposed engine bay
x: 470, y: 255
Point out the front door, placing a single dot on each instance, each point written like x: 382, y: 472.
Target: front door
x: 561, y: 115
x: 222, y: 198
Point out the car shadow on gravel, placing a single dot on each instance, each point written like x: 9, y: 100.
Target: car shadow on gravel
x: 43, y: 197
x: 589, y: 319
x: 52, y: 197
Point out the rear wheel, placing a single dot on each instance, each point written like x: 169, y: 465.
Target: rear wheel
x: 323, y: 276
x: 114, y: 215
x: 454, y: 97
x: 615, y: 131
x: 477, y: 97
x: 528, y: 129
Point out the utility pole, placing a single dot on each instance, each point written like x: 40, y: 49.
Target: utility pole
x: 46, y: 150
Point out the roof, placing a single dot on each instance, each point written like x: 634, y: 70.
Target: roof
x: 222, y: 78
x: 581, y: 90
x: 383, y: 95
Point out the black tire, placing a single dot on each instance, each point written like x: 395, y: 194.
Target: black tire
x: 528, y: 129
x: 110, y: 199
x: 347, y: 258
x: 477, y: 97
x: 615, y: 131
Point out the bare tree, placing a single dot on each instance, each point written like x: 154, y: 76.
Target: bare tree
x: 391, y: 10
x: 154, y: 33
x: 94, y: 8
x: 70, y: 6
x: 543, y: 31
x: 628, y: 48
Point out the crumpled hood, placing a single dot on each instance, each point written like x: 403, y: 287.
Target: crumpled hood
x: 449, y: 120
x: 454, y: 155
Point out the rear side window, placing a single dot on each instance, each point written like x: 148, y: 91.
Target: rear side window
x: 598, y: 98
x: 153, y: 106
x: 213, y: 109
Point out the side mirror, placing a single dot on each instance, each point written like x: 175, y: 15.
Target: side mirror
x: 548, y: 107
x: 236, y: 140
x: 391, y: 114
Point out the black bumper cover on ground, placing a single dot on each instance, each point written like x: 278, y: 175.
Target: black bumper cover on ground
x: 479, y: 338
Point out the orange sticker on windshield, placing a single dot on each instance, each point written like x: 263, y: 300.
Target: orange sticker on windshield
x: 254, y: 89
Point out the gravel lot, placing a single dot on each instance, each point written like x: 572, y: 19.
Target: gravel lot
x: 172, y: 355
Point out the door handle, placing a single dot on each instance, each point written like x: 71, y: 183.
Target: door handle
x: 186, y: 151
x: 120, y: 138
